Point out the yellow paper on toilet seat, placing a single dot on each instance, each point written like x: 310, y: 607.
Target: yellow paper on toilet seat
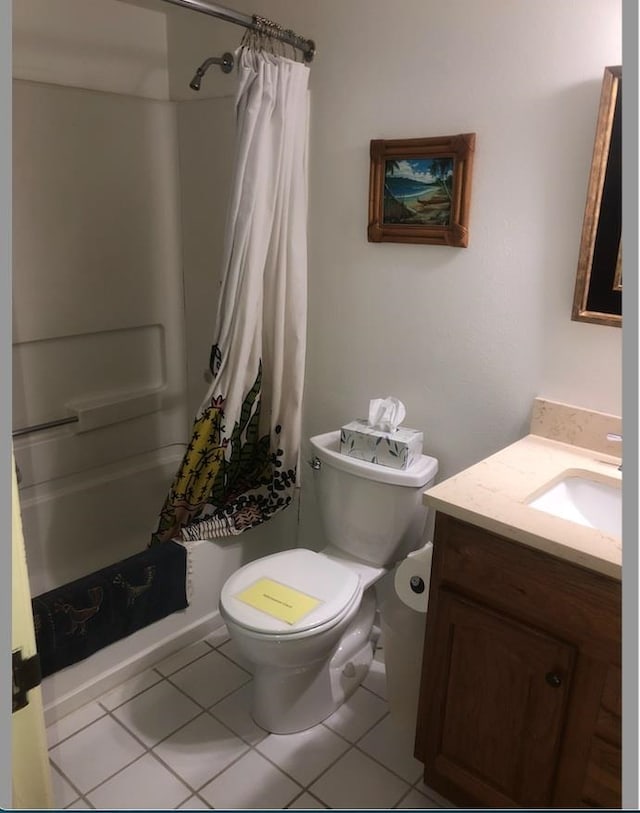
x: 278, y: 600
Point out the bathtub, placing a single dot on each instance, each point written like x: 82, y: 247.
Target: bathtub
x: 76, y: 525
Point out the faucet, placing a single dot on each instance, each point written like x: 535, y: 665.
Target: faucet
x: 617, y: 439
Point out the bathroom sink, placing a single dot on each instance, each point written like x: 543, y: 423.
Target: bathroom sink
x: 582, y: 499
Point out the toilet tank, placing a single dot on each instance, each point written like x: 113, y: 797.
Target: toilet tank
x: 371, y: 512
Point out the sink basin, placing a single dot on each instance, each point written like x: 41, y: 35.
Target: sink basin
x: 584, y: 500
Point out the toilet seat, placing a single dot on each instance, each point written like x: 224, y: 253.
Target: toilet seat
x: 336, y: 586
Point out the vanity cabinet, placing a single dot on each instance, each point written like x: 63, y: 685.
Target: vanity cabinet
x: 520, y: 691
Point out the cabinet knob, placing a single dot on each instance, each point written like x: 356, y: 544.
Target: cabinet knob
x: 553, y: 679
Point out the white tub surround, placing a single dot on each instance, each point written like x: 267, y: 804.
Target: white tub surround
x: 495, y: 493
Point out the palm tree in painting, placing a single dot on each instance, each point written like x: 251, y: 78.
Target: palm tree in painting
x: 390, y: 168
x: 441, y: 171
x: 394, y: 210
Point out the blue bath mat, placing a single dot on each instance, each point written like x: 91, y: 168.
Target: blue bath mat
x: 75, y: 620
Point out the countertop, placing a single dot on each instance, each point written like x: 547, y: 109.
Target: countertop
x: 493, y: 494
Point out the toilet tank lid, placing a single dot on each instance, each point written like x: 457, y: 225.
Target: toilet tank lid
x: 331, y: 584
x: 418, y: 474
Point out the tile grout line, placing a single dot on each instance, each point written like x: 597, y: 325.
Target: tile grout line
x: 161, y: 677
x: 184, y: 665
x: 106, y: 711
x: 352, y: 745
x: 77, y: 730
x: 126, y: 765
x: 66, y: 778
x: 196, y: 789
x: 80, y: 799
x: 315, y: 798
x: 375, y: 694
x: 302, y: 786
x: 189, y: 789
x: 189, y: 697
x: 364, y: 733
x: 397, y: 805
x: 204, y: 802
x: 153, y: 668
x: 206, y: 709
x: 215, y: 702
x: 249, y: 746
x: 149, y: 749
x: 230, y: 659
x: 391, y: 770
x: 188, y: 663
x: 356, y: 744
x: 305, y: 787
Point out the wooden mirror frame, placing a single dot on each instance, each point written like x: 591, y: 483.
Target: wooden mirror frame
x: 598, y: 292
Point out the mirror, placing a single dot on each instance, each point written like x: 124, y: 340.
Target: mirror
x: 598, y: 292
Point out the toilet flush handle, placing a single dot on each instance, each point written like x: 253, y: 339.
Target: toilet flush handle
x: 314, y: 463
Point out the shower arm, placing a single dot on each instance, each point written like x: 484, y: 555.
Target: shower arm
x: 254, y: 22
x: 226, y: 66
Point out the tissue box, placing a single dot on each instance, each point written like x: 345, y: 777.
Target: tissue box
x: 396, y: 449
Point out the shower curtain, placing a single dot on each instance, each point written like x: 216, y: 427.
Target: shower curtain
x: 240, y: 467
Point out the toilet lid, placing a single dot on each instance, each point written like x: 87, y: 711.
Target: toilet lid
x: 289, y: 592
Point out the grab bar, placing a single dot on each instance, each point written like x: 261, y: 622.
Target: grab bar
x: 98, y: 412
x: 38, y: 427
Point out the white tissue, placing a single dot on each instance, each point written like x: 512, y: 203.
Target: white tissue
x: 386, y: 414
x: 411, y: 579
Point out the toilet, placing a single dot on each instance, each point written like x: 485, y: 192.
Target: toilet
x: 305, y: 621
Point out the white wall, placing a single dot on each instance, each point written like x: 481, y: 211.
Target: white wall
x: 98, y: 44
x: 465, y: 337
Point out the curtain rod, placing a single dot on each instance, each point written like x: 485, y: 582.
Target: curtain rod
x: 254, y: 22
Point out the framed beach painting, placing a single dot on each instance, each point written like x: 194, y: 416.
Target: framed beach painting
x: 420, y: 190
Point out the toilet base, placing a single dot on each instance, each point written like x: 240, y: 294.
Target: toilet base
x: 289, y: 700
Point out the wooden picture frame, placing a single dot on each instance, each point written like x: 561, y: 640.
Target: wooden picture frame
x: 420, y: 190
x: 598, y: 290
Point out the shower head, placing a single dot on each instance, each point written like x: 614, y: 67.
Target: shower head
x: 225, y: 62
x: 194, y: 84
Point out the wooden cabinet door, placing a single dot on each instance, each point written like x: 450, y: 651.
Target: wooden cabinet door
x: 491, y: 728
x: 603, y: 778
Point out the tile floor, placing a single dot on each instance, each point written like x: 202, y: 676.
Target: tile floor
x: 179, y: 736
